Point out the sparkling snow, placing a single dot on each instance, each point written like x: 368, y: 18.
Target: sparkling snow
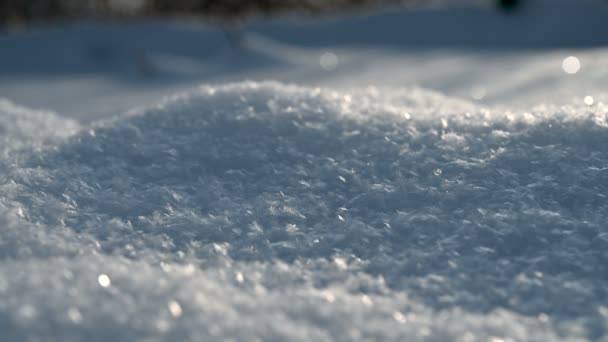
x: 262, y: 211
x: 410, y: 184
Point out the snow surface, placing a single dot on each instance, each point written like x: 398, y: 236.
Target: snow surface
x: 265, y: 211
x: 343, y: 201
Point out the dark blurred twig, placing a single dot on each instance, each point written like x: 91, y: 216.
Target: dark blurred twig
x: 20, y: 12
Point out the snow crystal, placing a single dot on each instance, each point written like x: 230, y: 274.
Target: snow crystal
x: 261, y: 211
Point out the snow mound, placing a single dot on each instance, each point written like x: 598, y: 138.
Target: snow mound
x: 262, y: 211
x: 21, y: 127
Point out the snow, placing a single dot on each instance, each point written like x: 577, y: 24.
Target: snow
x: 91, y: 70
x: 275, y: 212
x: 384, y: 185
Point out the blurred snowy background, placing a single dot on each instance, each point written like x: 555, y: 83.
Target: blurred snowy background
x: 89, y: 67
x: 303, y: 170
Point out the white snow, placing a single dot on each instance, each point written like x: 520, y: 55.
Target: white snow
x: 406, y: 176
x: 20, y: 127
x: 91, y: 70
x: 274, y: 212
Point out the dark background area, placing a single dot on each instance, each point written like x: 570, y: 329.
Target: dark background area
x: 15, y: 13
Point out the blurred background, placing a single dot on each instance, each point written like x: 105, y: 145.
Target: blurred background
x: 16, y: 13
x: 90, y: 59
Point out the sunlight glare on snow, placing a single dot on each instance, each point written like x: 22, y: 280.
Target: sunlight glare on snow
x: 328, y: 296
x: 329, y: 61
x: 74, y: 315
x: 571, y: 65
x: 367, y: 301
x: 239, y: 277
x: 175, y: 308
x: 399, y: 317
x: 104, y: 280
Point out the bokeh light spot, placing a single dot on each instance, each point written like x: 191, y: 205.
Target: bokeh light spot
x: 104, y: 280
x: 329, y: 61
x: 571, y: 65
x: 175, y: 308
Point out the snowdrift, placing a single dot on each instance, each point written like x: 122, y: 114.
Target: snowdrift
x: 263, y: 211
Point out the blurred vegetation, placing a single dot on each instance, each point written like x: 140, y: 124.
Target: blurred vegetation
x: 15, y: 12
x: 21, y: 12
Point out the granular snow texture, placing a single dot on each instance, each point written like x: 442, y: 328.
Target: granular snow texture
x: 267, y: 212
